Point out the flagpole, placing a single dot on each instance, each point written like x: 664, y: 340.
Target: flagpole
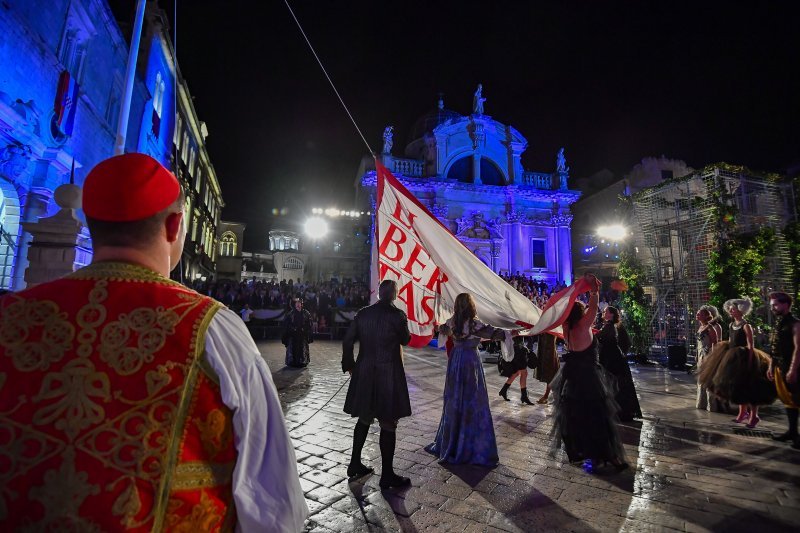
x: 133, y: 54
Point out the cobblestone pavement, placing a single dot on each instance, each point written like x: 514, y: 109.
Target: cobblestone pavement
x: 691, y: 470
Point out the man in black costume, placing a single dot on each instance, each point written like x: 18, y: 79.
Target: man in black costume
x: 785, y: 345
x: 297, y: 335
x: 378, y: 387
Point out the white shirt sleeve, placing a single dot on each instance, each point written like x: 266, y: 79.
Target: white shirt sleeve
x: 266, y: 486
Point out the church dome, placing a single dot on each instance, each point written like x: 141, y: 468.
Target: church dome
x: 429, y: 121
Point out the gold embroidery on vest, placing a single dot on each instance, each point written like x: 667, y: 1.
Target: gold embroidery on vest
x: 74, y: 387
x: 18, y: 321
x: 135, y: 441
x: 62, y: 494
x: 24, y: 449
x: 151, y: 328
x: 204, y: 516
x: 215, y: 432
x: 90, y: 316
x: 128, y: 504
x: 175, y: 443
x: 121, y: 272
x: 196, y: 475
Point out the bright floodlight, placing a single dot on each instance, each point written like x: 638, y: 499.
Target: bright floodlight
x: 316, y: 227
x: 615, y: 232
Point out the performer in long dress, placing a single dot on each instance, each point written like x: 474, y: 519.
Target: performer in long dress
x: 708, y: 334
x: 297, y: 335
x: 547, y: 364
x: 735, y: 370
x: 466, y: 431
x: 584, y: 410
x: 613, y: 360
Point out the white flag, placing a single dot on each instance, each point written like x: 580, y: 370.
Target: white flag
x: 432, y: 267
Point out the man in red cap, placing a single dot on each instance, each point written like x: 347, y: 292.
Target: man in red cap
x: 133, y: 402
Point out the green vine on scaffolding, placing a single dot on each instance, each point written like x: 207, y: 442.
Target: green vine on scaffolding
x: 792, y: 233
x: 633, y: 301
x: 737, y: 258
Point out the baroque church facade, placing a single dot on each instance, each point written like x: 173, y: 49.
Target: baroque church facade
x: 467, y: 170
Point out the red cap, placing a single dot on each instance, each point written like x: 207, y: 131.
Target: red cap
x: 128, y: 187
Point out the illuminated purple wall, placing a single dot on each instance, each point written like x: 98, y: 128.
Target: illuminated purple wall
x: 468, y: 172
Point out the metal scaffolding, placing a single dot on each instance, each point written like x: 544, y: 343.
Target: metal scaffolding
x: 675, y: 233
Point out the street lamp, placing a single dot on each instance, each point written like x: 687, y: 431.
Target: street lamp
x: 614, y: 232
x: 316, y: 228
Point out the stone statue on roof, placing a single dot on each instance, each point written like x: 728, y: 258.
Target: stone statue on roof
x: 561, y: 162
x: 478, y: 100
x: 388, y: 140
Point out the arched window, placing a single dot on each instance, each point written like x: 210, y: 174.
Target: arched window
x: 158, y: 94
x: 227, y: 244
x: 293, y: 263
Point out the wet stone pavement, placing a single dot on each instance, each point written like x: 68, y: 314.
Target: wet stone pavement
x: 690, y: 470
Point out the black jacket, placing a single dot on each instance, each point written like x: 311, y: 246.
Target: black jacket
x: 378, y: 387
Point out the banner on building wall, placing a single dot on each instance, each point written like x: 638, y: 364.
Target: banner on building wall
x: 66, y: 103
x: 432, y: 267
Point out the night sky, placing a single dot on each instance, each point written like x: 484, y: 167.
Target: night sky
x: 612, y: 82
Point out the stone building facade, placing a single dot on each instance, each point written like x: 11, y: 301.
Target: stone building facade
x: 62, y: 65
x: 467, y: 170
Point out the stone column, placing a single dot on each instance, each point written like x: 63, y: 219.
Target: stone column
x: 562, y: 222
x: 57, y: 247
x: 34, y: 204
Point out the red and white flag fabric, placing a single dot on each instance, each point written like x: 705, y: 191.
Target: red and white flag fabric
x: 559, y: 305
x: 432, y: 267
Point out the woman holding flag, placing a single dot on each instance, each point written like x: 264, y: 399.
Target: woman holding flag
x: 466, y: 430
x: 584, y: 409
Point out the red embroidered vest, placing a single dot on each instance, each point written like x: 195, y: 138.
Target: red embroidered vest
x: 110, y: 418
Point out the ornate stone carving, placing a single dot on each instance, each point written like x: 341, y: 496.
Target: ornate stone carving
x: 15, y: 160
x: 439, y: 210
x: 474, y: 226
x: 561, y: 219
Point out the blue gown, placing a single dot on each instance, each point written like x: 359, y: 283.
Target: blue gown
x: 466, y: 431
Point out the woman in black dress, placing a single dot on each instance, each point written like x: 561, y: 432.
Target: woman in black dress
x: 613, y: 359
x: 584, y: 409
x: 297, y: 335
x: 547, y: 363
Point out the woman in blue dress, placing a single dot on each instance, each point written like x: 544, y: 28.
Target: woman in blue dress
x: 466, y: 430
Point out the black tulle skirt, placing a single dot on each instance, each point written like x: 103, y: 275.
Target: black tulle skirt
x: 728, y: 372
x: 584, y: 409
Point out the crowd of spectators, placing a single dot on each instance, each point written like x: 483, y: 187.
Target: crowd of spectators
x: 318, y: 298
x: 536, y: 290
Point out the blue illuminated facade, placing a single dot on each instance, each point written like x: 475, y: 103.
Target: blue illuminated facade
x: 467, y: 171
x: 62, y: 69
x: 156, y: 67
x: 62, y: 63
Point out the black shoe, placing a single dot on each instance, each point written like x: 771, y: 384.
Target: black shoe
x: 504, y: 392
x: 796, y: 443
x: 784, y: 437
x: 524, y: 397
x: 393, y: 481
x: 358, y: 471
